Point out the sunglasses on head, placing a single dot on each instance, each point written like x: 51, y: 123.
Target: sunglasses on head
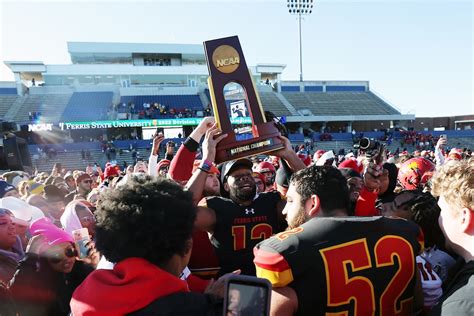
x: 68, y: 252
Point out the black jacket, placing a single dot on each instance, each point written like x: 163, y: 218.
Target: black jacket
x: 183, y: 304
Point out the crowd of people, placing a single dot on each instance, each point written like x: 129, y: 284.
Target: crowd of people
x: 347, y: 234
x: 418, y: 140
x: 153, y: 111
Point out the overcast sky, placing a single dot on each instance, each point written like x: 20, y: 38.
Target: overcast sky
x: 417, y: 55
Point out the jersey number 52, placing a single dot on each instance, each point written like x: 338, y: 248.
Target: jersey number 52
x: 341, y: 288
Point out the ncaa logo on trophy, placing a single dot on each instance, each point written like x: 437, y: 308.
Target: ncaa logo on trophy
x: 234, y: 98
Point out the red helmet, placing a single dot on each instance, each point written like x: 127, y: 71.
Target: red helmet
x: 415, y: 172
x: 265, y: 166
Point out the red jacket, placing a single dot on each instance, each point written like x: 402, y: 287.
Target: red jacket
x: 133, y: 284
x: 181, y: 167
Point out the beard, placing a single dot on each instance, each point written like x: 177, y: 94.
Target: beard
x: 243, y: 195
x: 269, y: 182
x: 300, y: 218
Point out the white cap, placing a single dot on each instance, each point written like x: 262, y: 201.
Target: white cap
x: 23, y: 212
x: 326, y: 156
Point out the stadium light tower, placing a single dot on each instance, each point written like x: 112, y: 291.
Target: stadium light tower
x: 300, y: 8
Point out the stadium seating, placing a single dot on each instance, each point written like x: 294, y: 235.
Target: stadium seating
x: 51, y: 106
x: 72, y: 160
x: 313, y: 88
x: 6, y: 102
x: 340, y: 103
x: 335, y: 145
x: 87, y: 106
x: 178, y: 102
x: 345, y: 88
x: 8, y: 91
x: 290, y: 88
x: 270, y: 102
x: 69, y: 154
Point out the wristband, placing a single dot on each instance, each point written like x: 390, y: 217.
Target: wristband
x: 205, y: 166
x: 199, y: 168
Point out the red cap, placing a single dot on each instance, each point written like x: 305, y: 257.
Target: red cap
x: 163, y: 163
x: 352, y: 164
x: 111, y: 171
x: 455, y: 154
x: 265, y: 166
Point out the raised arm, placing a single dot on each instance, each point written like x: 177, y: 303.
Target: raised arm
x: 152, y: 161
x: 205, y: 219
x: 198, y: 179
x: 181, y: 166
x: 288, y: 154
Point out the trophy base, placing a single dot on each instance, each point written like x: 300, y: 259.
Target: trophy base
x: 265, y: 143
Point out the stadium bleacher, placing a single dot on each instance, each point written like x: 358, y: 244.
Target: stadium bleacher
x: 69, y: 154
x: 313, y: 88
x: 270, y: 102
x: 178, y: 102
x: 345, y: 88
x: 87, y: 106
x: 340, y: 103
x: 6, y: 102
x: 290, y: 88
x: 8, y: 91
x: 51, y: 106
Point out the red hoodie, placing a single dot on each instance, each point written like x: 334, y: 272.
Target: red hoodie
x: 133, y: 284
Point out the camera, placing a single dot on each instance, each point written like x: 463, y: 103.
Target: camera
x: 270, y: 117
x: 371, y: 148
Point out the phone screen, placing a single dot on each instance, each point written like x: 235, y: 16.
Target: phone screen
x: 247, y: 299
x: 81, y: 238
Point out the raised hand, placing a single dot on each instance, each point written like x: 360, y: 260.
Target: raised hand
x: 212, y: 138
x: 157, y: 139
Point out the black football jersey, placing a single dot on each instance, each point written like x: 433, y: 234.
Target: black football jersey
x: 240, y: 228
x: 345, y: 265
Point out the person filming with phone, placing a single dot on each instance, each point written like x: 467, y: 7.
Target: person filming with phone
x: 49, y: 273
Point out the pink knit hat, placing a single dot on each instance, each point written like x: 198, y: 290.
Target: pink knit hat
x: 52, y: 234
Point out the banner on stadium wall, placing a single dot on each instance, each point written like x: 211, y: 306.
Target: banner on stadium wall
x: 142, y: 123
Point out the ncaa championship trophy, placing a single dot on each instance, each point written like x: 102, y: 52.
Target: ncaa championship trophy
x: 234, y: 96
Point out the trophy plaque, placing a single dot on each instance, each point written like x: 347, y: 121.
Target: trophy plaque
x: 234, y: 98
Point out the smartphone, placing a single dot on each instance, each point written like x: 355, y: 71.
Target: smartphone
x: 247, y: 295
x: 159, y: 131
x: 81, y: 238
x: 443, y: 136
